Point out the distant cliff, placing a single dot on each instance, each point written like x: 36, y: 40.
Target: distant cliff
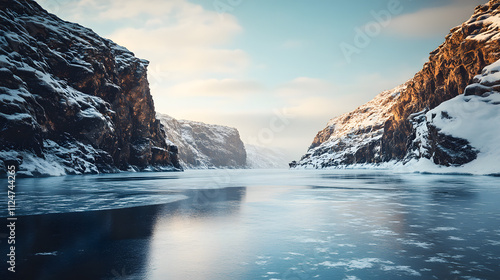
x: 389, y: 128
x: 71, y: 101
x: 259, y: 157
x: 205, y: 145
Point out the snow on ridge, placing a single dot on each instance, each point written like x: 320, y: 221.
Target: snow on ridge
x: 486, y: 18
x: 374, y: 112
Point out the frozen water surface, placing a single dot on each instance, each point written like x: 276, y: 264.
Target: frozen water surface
x: 257, y: 224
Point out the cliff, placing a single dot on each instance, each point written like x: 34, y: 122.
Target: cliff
x: 205, y: 145
x: 355, y: 137
x: 388, y: 128
x: 451, y: 67
x: 71, y: 101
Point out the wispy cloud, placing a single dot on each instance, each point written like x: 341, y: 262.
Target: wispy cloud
x: 431, y: 22
x: 178, y: 36
x: 123, y: 9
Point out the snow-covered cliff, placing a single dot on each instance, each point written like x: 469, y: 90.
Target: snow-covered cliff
x: 417, y: 122
x: 204, y: 145
x: 461, y: 135
x: 71, y: 101
x: 353, y: 137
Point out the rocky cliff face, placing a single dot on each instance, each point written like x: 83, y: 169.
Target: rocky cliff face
x: 205, y: 145
x: 349, y: 139
x: 451, y: 67
x: 71, y: 101
x: 355, y: 137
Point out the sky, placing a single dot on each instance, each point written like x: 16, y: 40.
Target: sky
x: 275, y: 70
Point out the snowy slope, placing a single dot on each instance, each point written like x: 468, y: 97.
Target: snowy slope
x: 204, y: 145
x: 259, y: 157
x: 473, y: 117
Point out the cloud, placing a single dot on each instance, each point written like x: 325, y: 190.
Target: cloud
x: 186, y: 40
x: 178, y: 36
x: 214, y: 87
x: 432, y: 22
x: 188, y: 25
x: 123, y: 9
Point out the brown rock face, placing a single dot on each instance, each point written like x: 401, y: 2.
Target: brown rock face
x: 74, y: 98
x: 451, y: 67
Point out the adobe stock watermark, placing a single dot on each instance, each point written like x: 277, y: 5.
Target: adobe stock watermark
x: 225, y: 6
x: 280, y: 120
x: 53, y: 6
x: 12, y: 219
x: 363, y: 36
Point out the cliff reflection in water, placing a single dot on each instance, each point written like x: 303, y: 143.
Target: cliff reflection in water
x: 105, y: 244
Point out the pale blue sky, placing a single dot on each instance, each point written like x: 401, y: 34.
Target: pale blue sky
x: 240, y: 67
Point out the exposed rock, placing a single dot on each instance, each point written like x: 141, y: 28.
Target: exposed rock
x: 71, y: 101
x: 205, y: 145
x: 430, y: 143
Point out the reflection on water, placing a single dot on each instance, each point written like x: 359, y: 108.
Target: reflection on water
x: 280, y: 225
x: 106, y: 244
